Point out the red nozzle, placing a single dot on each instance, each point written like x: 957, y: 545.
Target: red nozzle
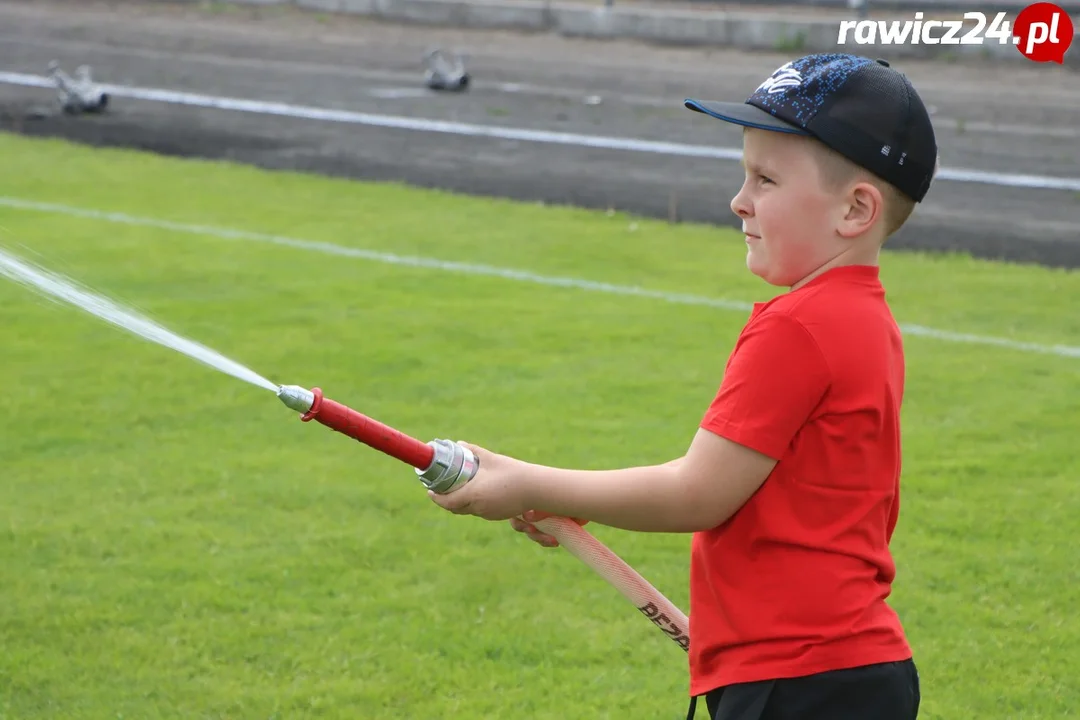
x: 373, y: 433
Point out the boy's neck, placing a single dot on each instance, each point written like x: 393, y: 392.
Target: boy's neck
x: 864, y: 255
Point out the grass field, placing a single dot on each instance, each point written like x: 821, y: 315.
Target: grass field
x: 175, y: 543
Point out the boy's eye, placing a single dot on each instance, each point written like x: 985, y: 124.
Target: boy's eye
x: 765, y: 179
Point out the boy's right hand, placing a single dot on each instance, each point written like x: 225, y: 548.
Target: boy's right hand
x: 524, y: 524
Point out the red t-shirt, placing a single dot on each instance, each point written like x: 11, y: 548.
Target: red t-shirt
x: 795, y: 582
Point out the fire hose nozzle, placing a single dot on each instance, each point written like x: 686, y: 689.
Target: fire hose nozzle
x: 441, y: 465
x: 451, y: 467
x: 296, y: 398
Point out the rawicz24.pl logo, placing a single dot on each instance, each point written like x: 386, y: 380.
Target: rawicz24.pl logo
x: 1042, y: 32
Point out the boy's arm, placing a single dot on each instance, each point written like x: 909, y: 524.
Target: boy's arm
x: 775, y: 378
x: 695, y: 492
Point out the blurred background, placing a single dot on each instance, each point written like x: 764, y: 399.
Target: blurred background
x: 576, y: 103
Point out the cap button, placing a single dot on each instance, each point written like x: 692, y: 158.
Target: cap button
x: 882, y: 62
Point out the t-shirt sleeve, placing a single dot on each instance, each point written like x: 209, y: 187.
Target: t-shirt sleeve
x: 774, y: 379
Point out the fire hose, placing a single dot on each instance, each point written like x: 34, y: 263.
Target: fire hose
x: 443, y: 466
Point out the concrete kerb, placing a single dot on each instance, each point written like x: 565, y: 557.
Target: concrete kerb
x: 775, y: 32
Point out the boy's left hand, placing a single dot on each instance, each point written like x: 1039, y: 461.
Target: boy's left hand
x: 495, y: 493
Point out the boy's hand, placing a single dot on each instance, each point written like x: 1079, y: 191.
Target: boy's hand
x: 497, y: 492
x: 524, y: 524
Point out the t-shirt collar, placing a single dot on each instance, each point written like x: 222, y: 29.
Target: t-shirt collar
x: 863, y: 273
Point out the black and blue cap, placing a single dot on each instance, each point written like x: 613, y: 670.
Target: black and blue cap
x: 861, y: 108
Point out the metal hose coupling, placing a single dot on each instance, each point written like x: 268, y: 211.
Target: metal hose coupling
x: 450, y: 468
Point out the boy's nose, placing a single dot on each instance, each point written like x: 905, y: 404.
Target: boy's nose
x: 741, y: 206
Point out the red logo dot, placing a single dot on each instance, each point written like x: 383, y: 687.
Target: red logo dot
x: 1043, y: 32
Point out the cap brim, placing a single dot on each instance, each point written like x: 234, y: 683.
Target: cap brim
x: 744, y: 114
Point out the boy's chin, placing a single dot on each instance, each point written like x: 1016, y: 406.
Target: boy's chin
x: 758, y: 266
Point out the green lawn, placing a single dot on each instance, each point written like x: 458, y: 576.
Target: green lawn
x: 175, y: 543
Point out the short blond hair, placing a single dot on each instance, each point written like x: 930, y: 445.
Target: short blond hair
x: 837, y: 172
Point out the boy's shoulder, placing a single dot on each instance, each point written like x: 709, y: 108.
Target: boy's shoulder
x: 843, y: 314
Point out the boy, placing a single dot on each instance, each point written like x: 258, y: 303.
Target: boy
x: 791, y: 483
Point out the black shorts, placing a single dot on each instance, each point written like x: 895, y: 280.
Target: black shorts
x: 887, y: 691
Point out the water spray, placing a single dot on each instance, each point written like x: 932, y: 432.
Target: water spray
x: 441, y: 465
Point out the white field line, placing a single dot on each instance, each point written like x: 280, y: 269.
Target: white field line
x: 1038, y: 182
x: 492, y: 271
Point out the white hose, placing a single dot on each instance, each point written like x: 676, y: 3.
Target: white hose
x: 580, y: 543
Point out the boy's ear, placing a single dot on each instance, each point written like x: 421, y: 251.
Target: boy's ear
x: 864, y: 206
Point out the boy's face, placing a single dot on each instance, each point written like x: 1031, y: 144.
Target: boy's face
x: 788, y: 217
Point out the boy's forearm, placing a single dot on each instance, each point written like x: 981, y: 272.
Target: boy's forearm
x: 644, y: 499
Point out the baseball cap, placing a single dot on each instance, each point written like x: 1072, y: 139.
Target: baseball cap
x: 861, y: 108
